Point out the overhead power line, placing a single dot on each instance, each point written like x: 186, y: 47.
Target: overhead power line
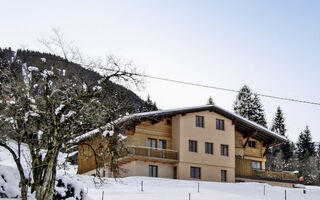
x: 226, y: 89
x: 229, y: 90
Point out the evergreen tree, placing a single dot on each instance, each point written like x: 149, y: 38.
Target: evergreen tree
x: 308, y: 168
x: 149, y: 105
x: 242, y: 105
x: 210, y: 101
x: 305, y: 146
x: 248, y: 105
x: 279, y: 126
x: 257, y: 109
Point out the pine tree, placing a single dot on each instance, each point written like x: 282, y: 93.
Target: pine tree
x: 242, y: 105
x: 248, y: 105
x: 259, y: 114
x: 149, y: 105
x: 305, y: 145
x: 278, y: 125
x: 210, y: 101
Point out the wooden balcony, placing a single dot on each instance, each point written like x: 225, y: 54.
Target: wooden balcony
x: 271, y: 175
x: 153, y: 154
x: 244, y: 170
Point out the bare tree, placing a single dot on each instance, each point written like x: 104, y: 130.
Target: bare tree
x: 50, y: 113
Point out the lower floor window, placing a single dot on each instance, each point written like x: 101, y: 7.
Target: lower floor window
x: 195, y: 172
x: 223, y: 175
x: 256, y: 165
x: 153, y: 171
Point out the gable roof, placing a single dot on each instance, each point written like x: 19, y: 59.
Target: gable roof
x: 243, y: 125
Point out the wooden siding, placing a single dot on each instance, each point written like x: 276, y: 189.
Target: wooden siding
x: 86, y: 158
x: 244, y: 169
x: 256, y: 152
x: 159, y: 131
x: 137, y: 137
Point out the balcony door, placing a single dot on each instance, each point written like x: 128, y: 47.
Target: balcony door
x: 162, y: 144
x: 152, y: 143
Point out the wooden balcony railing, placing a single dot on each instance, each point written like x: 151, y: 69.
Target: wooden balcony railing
x: 153, y: 152
x: 244, y: 169
x: 282, y: 176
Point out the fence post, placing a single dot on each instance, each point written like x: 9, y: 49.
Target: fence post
x: 264, y: 190
x: 285, y: 194
x: 102, y: 194
x: 189, y: 196
x: 198, y: 187
x: 141, y: 186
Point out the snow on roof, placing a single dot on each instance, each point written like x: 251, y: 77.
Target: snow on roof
x: 105, y: 130
x: 176, y: 111
x: 222, y: 111
x: 255, y: 125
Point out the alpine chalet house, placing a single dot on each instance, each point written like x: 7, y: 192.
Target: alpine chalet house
x: 205, y: 143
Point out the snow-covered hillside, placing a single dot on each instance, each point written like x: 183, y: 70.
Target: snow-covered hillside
x: 158, y: 188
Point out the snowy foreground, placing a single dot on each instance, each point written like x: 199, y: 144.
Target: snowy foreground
x: 156, y: 188
x: 159, y: 188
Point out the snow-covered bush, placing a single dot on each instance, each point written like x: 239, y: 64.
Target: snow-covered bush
x: 9, y: 182
x: 68, y: 188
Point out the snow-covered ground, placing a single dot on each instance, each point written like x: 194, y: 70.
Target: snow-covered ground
x: 159, y: 188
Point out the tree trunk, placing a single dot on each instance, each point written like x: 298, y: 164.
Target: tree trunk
x: 45, y: 191
x: 24, y: 186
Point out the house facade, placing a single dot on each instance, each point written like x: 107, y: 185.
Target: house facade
x: 205, y: 143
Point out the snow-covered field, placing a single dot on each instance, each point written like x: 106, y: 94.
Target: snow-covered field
x: 159, y: 188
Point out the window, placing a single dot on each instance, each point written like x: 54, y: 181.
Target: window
x: 162, y: 144
x: 193, y: 146
x: 256, y: 165
x: 152, y: 143
x: 223, y: 175
x: 209, y: 148
x: 153, y: 171
x: 252, y: 144
x: 168, y: 121
x: 200, y: 121
x: 220, y: 124
x: 195, y: 172
x: 224, y: 150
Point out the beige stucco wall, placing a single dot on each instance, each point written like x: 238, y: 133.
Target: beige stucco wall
x: 141, y: 168
x: 210, y: 165
x: 208, y: 172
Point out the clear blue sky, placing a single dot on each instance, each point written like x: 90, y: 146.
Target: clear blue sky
x: 273, y: 46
